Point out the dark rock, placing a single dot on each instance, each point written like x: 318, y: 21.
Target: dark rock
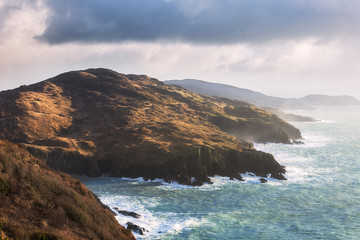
x: 278, y: 176
x: 199, y: 181
x: 127, y: 213
x: 237, y: 177
x: 136, y: 228
x: 296, y: 142
x: 262, y: 180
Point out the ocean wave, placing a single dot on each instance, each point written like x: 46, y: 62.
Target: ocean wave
x: 158, y: 224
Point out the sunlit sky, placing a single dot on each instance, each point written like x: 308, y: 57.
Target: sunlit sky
x: 284, y: 48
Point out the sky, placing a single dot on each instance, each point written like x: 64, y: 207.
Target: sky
x: 286, y: 48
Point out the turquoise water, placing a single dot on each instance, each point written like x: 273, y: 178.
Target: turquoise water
x: 320, y: 199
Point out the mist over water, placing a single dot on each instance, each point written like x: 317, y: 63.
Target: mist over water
x: 320, y: 199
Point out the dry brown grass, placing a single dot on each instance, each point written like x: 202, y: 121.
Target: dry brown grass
x: 35, y: 201
x: 98, y: 121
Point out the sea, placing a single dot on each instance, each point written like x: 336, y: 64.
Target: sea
x: 319, y: 200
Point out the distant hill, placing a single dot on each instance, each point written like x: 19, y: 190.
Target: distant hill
x: 262, y: 100
x: 324, y: 100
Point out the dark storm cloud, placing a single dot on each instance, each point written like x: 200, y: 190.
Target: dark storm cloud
x: 198, y: 21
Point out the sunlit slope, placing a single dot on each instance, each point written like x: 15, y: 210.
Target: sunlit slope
x: 37, y: 203
x: 98, y: 122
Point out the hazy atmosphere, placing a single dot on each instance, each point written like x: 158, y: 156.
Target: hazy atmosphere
x: 280, y: 47
x: 253, y: 132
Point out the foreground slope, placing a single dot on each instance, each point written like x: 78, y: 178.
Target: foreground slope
x: 101, y: 122
x: 37, y: 203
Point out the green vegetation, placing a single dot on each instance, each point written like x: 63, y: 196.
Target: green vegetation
x: 1, y: 232
x: 4, y: 187
x: 43, y: 236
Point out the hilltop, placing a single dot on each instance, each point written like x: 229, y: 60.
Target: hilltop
x: 38, y: 203
x: 98, y: 121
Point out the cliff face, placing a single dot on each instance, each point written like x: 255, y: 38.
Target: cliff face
x: 37, y: 203
x: 98, y: 121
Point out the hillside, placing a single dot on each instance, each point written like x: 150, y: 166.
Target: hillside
x: 261, y: 100
x: 37, y: 203
x: 98, y: 122
x: 227, y: 91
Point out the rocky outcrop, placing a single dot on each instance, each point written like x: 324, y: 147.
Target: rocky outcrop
x: 37, y: 203
x: 136, y: 228
x: 289, y: 116
x: 98, y: 122
x: 253, y: 124
x: 128, y: 213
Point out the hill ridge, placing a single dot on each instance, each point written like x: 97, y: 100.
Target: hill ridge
x: 98, y: 121
x: 260, y: 99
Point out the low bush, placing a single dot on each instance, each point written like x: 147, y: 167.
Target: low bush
x: 4, y: 187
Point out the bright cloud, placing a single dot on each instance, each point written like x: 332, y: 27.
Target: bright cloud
x: 303, y: 45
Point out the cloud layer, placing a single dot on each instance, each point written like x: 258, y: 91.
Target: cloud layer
x: 198, y: 21
x: 301, y: 46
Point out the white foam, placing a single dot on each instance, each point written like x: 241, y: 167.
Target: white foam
x: 173, y: 185
x: 187, y: 223
x: 133, y: 204
x: 314, y: 140
x: 157, y: 225
x: 137, y: 180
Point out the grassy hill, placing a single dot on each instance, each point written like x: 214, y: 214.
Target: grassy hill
x: 98, y: 122
x: 38, y: 203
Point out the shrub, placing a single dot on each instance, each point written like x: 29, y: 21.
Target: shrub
x: 4, y: 187
x: 43, y: 236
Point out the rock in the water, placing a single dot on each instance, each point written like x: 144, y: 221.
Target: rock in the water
x: 297, y: 142
x: 237, y: 177
x: 135, y: 228
x: 263, y: 180
x: 127, y: 213
x: 278, y: 176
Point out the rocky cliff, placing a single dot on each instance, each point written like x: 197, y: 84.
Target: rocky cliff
x: 37, y: 203
x: 98, y: 122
